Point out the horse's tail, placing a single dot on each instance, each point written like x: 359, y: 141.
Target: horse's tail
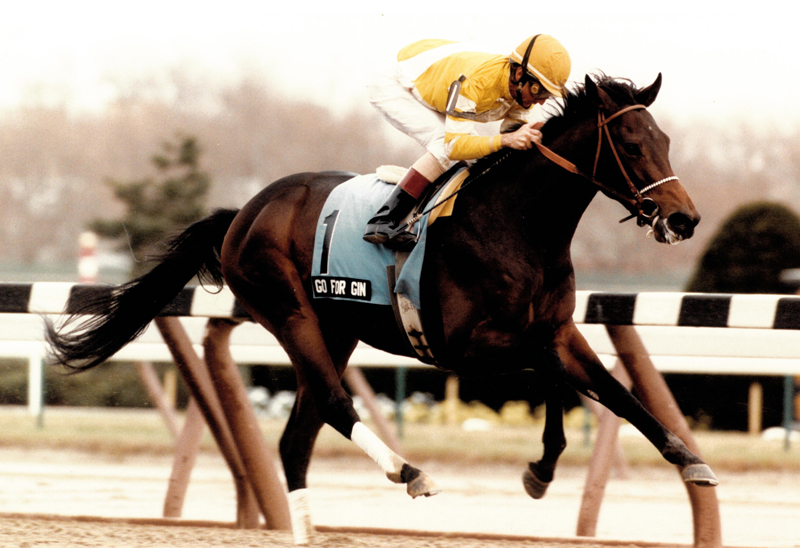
x: 118, y: 317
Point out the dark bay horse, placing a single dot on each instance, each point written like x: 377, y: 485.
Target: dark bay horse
x: 497, y: 285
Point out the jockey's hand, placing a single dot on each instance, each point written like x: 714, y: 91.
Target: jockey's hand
x: 523, y: 138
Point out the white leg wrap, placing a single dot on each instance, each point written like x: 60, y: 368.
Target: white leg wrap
x: 389, y: 461
x: 300, y: 513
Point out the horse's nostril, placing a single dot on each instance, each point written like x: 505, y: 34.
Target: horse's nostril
x: 682, y: 224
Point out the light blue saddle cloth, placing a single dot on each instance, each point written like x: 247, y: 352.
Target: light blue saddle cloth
x: 345, y: 266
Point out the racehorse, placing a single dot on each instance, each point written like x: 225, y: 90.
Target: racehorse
x: 498, y: 285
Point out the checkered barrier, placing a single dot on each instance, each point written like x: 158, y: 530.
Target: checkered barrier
x: 656, y: 309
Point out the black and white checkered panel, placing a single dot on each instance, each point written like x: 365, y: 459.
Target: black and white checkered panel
x: 666, y: 309
x: 688, y: 310
x: 58, y: 298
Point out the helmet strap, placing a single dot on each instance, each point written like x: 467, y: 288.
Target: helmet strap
x: 528, y: 53
x: 524, y: 78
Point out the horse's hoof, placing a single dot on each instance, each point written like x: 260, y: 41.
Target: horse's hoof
x: 699, y: 474
x: 535, y: 487
x: 422, y: 485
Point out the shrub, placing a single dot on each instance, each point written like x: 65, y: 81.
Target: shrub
x: 749, y: 251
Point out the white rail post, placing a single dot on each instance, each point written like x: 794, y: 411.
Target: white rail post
x: 36, y: 385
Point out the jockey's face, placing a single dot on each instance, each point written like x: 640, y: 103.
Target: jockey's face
x: 531, y: 93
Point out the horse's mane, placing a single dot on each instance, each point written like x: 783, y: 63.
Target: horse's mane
x: 575, y: 106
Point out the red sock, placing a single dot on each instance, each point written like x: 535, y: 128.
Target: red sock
x: 414, y: 183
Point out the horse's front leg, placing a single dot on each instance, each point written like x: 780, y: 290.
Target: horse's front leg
x: 587, y: 374
x: 538, y: 475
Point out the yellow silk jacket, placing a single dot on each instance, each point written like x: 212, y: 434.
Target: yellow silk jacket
x: 431, y: 66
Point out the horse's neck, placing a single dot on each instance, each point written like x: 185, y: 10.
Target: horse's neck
x: 532, y: 201
x: 553, y: 199
x: 567, y: 195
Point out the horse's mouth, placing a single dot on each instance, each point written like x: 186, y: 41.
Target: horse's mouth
x: 663, y: 232
x: 675, y: 228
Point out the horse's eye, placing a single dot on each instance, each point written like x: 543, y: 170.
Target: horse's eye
x: 632, y: 149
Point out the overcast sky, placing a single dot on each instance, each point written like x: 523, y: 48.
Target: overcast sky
x: 719, y: 63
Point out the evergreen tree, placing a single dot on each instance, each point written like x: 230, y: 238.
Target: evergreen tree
x: 749, y: 252
x: 157, y: 208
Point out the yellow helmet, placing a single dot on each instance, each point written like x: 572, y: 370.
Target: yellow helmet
x: 544, y: 58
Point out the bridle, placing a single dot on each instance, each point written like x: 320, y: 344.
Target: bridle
x: 642, y: 208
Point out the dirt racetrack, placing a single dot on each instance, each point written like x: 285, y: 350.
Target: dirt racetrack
x: 69, y: 498
x: 32, y: 531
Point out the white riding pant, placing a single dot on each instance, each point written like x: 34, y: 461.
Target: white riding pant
x: 396, y: 102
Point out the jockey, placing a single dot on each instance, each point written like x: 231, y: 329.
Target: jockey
x: 438, y: 92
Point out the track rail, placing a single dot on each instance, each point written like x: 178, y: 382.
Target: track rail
x: 655, y: 309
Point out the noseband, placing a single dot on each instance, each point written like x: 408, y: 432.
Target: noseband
x: 644, y: 209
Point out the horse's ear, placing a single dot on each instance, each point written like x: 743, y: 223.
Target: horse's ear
x: 647, y: 95
x: 597, y: 95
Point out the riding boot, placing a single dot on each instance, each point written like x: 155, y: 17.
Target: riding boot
x: 399, y: 204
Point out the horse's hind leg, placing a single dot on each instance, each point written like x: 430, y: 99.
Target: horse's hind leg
x: 321, y: 400
x: 538, y: 475
x: 321, y: 396
x: 300, y: 434
x: 297, y: 442
x: 319, y: 376
x: 296, y: 446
